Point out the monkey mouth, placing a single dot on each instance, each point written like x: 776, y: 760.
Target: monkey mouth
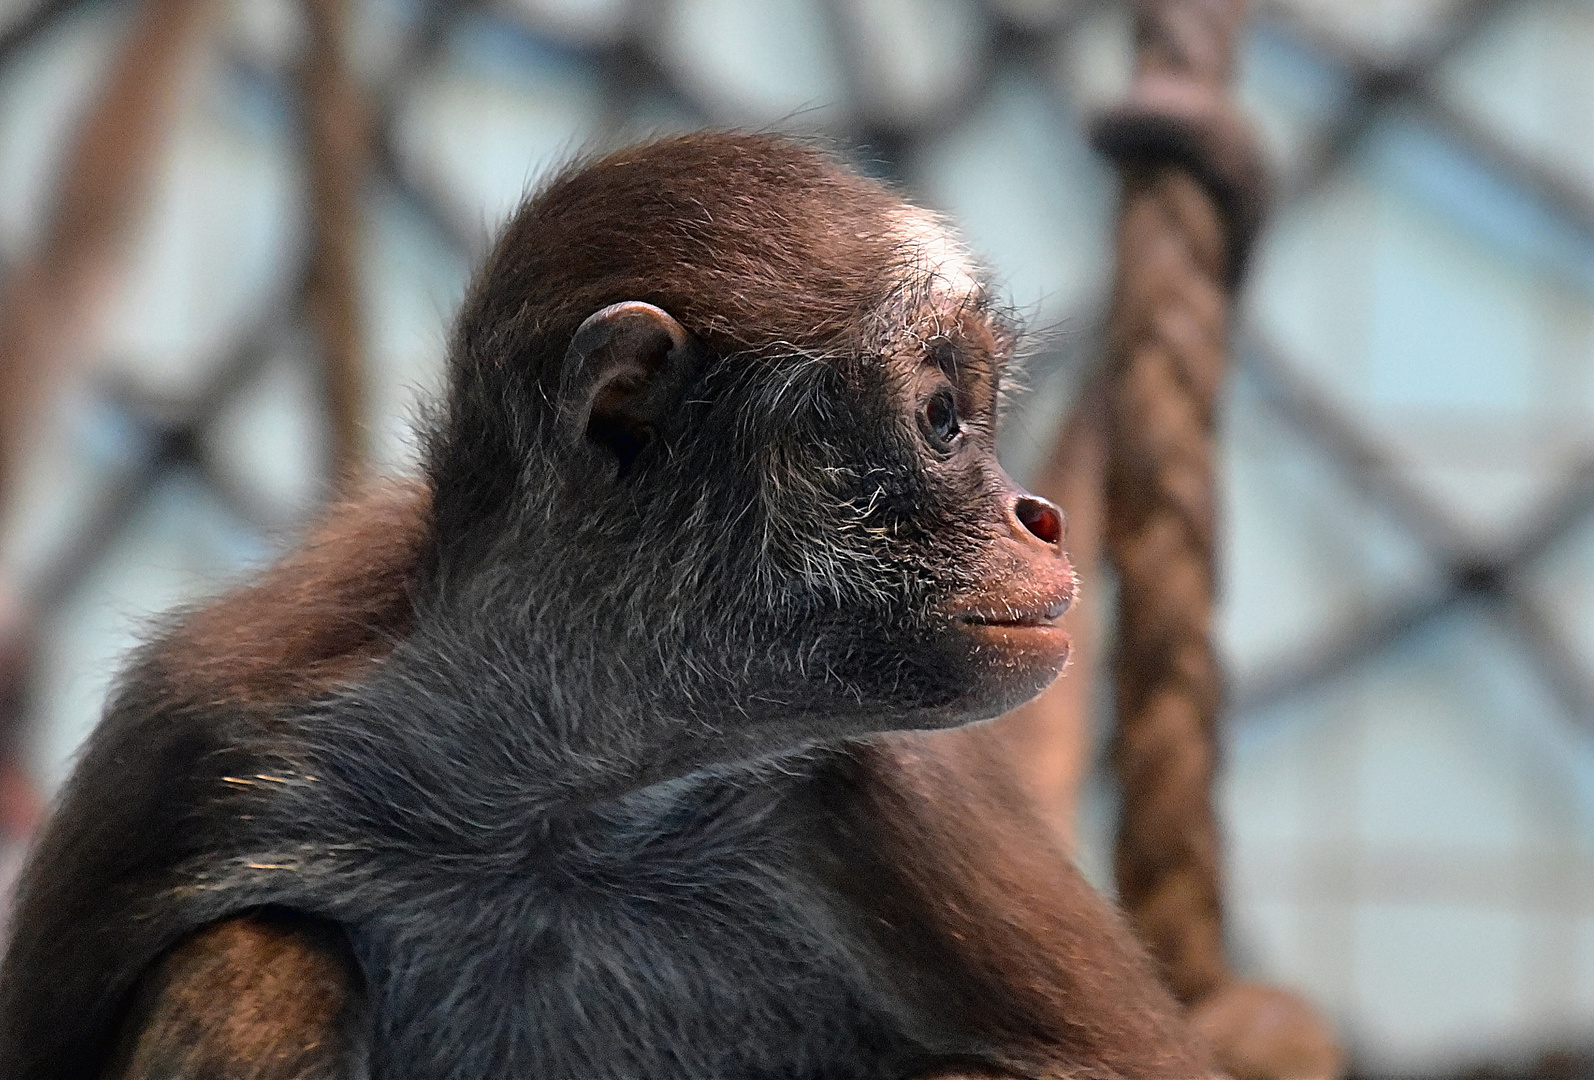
x: 1027, y: 615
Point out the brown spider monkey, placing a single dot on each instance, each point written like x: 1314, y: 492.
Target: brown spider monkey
x: 571, y: 760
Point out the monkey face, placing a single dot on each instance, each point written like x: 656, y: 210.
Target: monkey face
x: 906, y: 580
x: 994, y: 579
x: 731, y: 425
x: 831, y: 529
x: 997, y: 580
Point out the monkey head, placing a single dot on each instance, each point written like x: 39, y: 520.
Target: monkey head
x: 721, y: 429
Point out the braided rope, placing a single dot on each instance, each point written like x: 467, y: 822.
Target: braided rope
x: 1191, y: 203
x: 1167, y: 363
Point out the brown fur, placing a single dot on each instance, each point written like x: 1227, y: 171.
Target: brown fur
x: 314, y: 620
x: 980, y: 870
x: 787, y: 247
x: 289, y: 995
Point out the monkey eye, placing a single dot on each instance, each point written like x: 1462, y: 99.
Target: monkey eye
x: 939, y: 420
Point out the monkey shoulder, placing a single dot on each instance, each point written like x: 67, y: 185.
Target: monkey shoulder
x: 120, y: 874
x: 268, y: 995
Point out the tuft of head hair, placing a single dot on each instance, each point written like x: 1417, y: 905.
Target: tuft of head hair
x: 746, y: 239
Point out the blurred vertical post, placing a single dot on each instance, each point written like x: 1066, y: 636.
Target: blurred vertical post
x: 53, y: 300
x: 338, y: 136
x: 1192, y: 191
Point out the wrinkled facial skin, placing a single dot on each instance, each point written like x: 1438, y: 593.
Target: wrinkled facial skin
x: 1000, y: 580
x: 928, y: 584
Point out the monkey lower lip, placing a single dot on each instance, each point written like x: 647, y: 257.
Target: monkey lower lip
x: 1039, y: 636
x: 1020, y: 623
x: 1046, y: 616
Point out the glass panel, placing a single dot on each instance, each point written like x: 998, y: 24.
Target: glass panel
x: 1382, y: 30
x: 1437, y: 984
x: 1583, y: 1004
x: 414, y: 281
x: 42, y: 94
x: 220, y: 247
x: 270, y: 442
x: 269, y: 34
x: 591, y: 22
x: 1034, y: 16
x: 1030, y: 196
x: 13, y: 12
x: 483, y: 125
x: 1561, y: 586
x: 1405, y: 843
x: 1292, y: 94
x: 1307, y: 558
x: 1094, y: 61
x: 87, y: 447
x: 658, y: 111
x: 381, y: 32
x: 912, y: 59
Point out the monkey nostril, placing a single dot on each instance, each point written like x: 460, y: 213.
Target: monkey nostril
x: 1041, y: 518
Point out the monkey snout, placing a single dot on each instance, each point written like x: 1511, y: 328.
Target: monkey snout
x: 1040, y: 518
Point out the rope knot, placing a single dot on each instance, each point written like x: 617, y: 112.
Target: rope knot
x: 1173, y: 120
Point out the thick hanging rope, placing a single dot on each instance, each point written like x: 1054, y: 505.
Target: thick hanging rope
x: 1191, y: 202
x: 336, y: 128
x: 1167, y: 366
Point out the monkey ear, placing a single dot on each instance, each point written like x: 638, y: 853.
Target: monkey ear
x: 626, y: 367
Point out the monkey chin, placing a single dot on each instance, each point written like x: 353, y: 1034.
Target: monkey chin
x: 1013, y: 661
x: 1011, y: 634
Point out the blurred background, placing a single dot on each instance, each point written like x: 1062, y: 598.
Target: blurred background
x: 1407, y: 436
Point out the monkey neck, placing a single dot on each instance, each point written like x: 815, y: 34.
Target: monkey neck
x: 603, y: 669
x: 571, y: 719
